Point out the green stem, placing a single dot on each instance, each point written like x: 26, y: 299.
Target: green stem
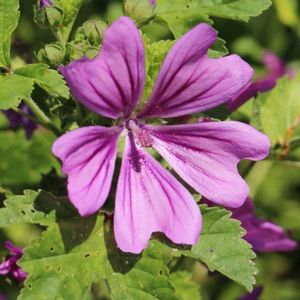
x: 41, y: 117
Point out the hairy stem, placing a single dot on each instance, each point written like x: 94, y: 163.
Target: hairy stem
x: 41, y: 117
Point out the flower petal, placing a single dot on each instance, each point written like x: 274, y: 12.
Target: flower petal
x: 149, y: 199
x: 250, y: 91
x: 14, y: 250
x: 6, y: 266
x: 88, y: 155
x: 265, y: 236
x: 112, y: 83
x: 191, y: 82
x: 206, y: 155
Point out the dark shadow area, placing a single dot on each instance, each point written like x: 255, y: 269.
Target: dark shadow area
x: 120, y: 261
x: 73, y: 228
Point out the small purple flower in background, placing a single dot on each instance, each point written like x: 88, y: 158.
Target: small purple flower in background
x: 17, y: 120
x: 2, y: 297
x: 276, y: 69
x: 254, y: 295
x: 149, y: 198
x: 152, y: 2
x: 44, y: 3
x: 264, y: 236
x: 9, y: 266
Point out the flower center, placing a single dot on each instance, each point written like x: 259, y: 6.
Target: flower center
x: 141, y: 135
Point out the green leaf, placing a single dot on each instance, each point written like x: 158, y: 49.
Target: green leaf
x: 279, y: 118
x: 13, y: 89
x: 185, y: 288
x: 181, y: 15
x: 30, y: 158
x: 155, y: 55
x: 222, y: 248
x: 74, y: 252
x: 140, y: 277
x: 240, y: 10
x: 69, y: 257
x: 20, y: 209
x: 46, y: 78
x: 9, y: 16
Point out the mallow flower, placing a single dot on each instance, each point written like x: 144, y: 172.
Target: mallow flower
x: 9, y: 265
x: 276, y: 68
x: 205, y: 155
x: 17, y: 120
x: 263, y: 235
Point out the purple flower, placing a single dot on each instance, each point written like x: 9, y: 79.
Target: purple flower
x: 148, y: 198
x: 44, y: 3
x: 152, y: 2
x: 17, y: 120
x: 9, y: 266
x: 264, y: 236
x: 254, y: 295
x: 276, y: 69
x: 2, y: 297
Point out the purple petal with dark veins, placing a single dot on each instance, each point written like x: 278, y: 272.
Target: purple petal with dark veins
x: 149, y: 199
x: 112, y: 83
x: 190, y: 82
x: 88, y: 155
x: 206, y: 155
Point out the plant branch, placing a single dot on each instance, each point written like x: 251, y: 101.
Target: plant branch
x: 41, y: 117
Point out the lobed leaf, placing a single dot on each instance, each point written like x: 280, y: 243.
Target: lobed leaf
x: 222, y: 248
x: 30, y: 158
x: 184, y: 285
x: 181, y: 15
x: 9, y: 16
x: 279, y: 111
x: 75, y: 252
x: 48, y: 79
x: 13, y: 89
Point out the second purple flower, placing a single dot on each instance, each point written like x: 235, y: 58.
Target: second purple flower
x: 149, y: 198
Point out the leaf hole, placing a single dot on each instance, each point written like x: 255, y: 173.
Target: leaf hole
x: 33, y: 211
x: 58, y: 269
x: 161, y: 272
x: 87, y: 255
x: 51, y: 249
x: 23, y: 212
